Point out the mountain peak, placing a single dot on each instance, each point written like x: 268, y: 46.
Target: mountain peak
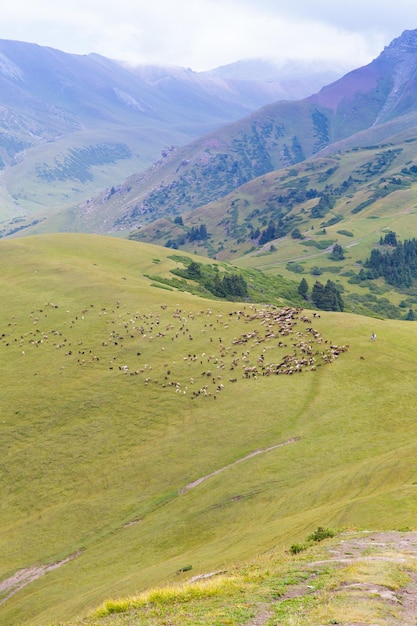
x: 406, y: 43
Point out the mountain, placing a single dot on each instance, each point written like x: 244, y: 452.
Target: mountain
x: 376, y: 93
x: 253, y: 84
x: 71, y: 123
x: 288, y: 222
x: 366, y: 106
x: 297, y: 79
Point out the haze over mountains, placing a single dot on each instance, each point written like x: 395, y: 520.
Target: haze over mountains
x: 70, y: 124
x: 366, y: 106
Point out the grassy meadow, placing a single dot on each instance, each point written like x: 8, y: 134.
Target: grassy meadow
x: 117, y: 393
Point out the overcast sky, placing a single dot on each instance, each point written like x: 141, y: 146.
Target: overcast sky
x: 204, y: 34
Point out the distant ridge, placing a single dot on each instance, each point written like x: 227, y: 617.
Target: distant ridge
x: 74, y: 124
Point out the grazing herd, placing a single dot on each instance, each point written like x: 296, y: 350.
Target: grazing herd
x: 195, y: 353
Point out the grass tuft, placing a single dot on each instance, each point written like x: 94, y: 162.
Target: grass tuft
x: 175, y: 594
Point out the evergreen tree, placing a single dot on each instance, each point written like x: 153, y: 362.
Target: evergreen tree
x: 410, y: 316
x: 317, y: 294
x: 398, y: 266
x: 390, y: 239
x: 303, y: 288
x: 328, y: 297
x: 268, y: 234
x: 337, y: 253
x: 218, y: 287
x: 197, y: 233
x: 194, y: 271
x: 325, y: 204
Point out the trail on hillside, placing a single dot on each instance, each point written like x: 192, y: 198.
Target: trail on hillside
x: 197, y: 482
x: 23, y: 577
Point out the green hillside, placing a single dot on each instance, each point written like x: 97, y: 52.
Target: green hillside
x: 331, y: 578
x: 146, y: 429
x: 289, y: 221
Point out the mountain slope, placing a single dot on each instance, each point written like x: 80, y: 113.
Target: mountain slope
x: 285, y: 133
x: 70, y: 123
x: 126, y: 456
x: 289, y: 221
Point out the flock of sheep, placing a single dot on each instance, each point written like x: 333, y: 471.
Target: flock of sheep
x: 189, y: 352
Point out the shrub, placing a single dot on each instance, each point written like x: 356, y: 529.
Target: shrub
x: 320, y: 533
x: 297, y: 547
x: 296, y: 234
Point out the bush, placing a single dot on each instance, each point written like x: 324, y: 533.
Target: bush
x: 297, y: 547
x: 320, y: 533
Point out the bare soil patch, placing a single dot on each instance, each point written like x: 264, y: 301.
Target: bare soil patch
x: 23, y: 577
x: 391, y: 547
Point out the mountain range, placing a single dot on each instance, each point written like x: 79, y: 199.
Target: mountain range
x: 70, y: 123
x: 274, y: 190
x: 67, y: 130
x: 366, y: 106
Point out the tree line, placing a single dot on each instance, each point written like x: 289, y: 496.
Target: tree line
x: 220, y: 285
x: 397, y: 265
x: 326, y: 297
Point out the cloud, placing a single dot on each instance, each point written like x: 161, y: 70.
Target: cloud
x: 203, y: 34
x: 361, y: 16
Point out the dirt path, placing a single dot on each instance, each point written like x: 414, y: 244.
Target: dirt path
x: 23, y: 577
x: 390, y: 547
x: 197, y: 482
x: 395, y: 547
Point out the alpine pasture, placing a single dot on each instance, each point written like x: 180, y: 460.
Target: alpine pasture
x: 148, y: 434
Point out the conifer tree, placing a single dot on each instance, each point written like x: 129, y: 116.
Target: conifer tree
x: 303, y: 288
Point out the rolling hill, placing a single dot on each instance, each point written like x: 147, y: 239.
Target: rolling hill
x: 126, y: 457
